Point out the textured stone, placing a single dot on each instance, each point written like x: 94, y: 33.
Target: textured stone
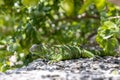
x: 106, y: 68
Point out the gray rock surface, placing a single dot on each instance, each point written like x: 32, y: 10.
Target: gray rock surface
x: 107, y: 68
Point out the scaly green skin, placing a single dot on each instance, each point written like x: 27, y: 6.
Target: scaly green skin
x: 61, y: 52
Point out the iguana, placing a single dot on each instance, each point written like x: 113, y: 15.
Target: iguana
x: 63, y: 52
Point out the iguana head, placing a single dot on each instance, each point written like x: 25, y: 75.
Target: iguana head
x: 37, y: 49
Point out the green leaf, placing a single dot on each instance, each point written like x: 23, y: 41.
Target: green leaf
x: 100, y: 4
x: 68, y: 7
x: 1, y: 2
x: 107, y: 38
x: 29, y: 3
x: 85, y: 6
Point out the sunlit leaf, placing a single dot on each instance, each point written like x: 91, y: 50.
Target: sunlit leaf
x: 1, y: 2
x: 1, y: 22
x: 68, y: 6
x: 30, y: 2
x: 85, y: 6
x: 100, y: 4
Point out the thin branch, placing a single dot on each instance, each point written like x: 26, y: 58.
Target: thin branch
x: 78, y: 17
x: 115, y: 17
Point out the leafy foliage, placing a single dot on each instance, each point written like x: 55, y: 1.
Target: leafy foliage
x: 107, y: 37
x: 74, y: 22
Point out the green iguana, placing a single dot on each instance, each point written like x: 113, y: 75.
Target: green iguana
x: 62, y: 52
